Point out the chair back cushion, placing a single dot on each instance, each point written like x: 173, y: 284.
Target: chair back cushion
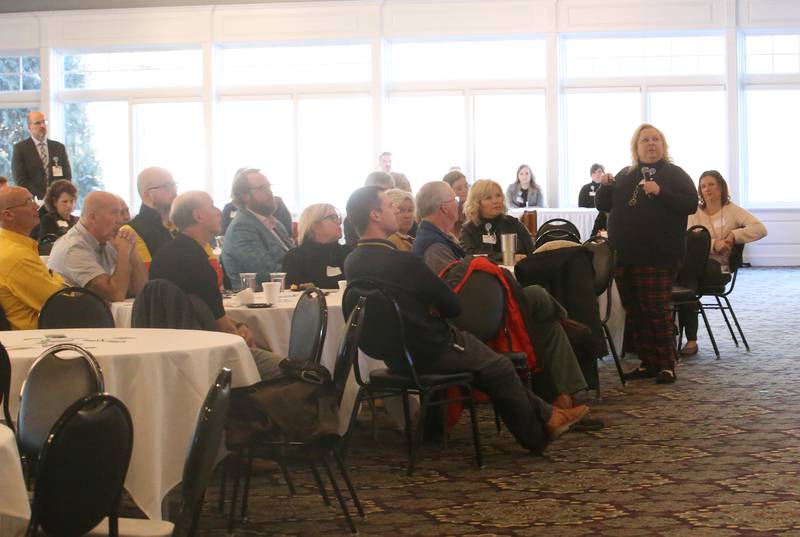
x: 698, y: 245
x: 309, y: 324
x: 83, y: 466
x: 483, y: 306
x: 602, y: 262
x: 382, y: 334
x: 53, y: 384
x: 75, y: 307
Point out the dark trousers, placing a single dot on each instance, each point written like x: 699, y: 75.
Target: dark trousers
x: 646, y: 292
x: 524, y: 413
x: 687, y: 313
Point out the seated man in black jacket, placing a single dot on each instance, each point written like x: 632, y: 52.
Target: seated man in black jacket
x: 425, y: 302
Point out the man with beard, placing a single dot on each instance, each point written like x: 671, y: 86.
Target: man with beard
x: 153, y: 229
x: 255, y: 241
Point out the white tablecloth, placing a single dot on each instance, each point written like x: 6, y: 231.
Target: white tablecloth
x: 582, y: 218
x: 162, y: 376
x: 14, y: 508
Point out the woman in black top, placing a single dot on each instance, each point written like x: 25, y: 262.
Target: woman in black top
x: 649, y: 203
x: 59, y: 200
x: 487, y: 221
x: 318, y: 258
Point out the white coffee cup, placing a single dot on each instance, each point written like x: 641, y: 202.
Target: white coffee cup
x: 342, y: 285
x: 272, y: 291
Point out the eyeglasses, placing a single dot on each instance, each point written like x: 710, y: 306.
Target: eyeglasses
x: 172, y: 185
x: 27, y: 203
x: 335, y: 218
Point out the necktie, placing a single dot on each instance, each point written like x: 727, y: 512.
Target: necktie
x: 43, y: 155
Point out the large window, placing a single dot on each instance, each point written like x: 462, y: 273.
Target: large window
x: 772, y: 117
x: 483, y: 59
x: 19, y: 73
x: 139, y: 69
x: 13, y: 128
x: 644, y: 56
x: 509, y: 131
x: 767, y: 54
x: 599, y: 128
x: 695, y: 125
x: 98, y: 146
x: 310, y: 64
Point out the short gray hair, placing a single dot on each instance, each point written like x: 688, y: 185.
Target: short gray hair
x: 182, y: 211
x: 398, y: 196
x: 431, y: 196
x: 381, y: 179
x: 311, y: 215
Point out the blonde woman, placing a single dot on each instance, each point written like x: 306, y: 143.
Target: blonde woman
x: 487, y: 221
x: 318, y: 258
x: 404, y: 210
x: 649, y: 203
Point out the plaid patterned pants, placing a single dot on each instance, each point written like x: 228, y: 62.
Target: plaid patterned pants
x: 646, y: 292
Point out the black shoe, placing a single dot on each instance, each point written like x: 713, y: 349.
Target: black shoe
x: 589, y: 424
x: 640, y: 373
x: 666, y: 376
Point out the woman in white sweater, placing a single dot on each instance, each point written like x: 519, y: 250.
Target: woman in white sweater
x: 728, y: 225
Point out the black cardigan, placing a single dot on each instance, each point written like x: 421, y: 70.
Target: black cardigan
x: 650, y: 232
x: 472, y: 236
x: 309, y: 262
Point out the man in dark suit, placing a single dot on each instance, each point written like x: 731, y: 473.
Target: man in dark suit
x: 37, y: 161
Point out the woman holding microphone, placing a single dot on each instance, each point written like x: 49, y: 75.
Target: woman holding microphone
x: 648, y: 203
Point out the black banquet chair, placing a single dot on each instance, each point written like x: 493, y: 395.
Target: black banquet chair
x: 310, y: 452
x: 687, y: 290
x: 204, y: 450
x: 54, y: 382
x: 75, y: 307
x: 561, y: 230
x: 603, y: 263
x: 83, y: 466
x: 383, y: 338
x: 721, y: 292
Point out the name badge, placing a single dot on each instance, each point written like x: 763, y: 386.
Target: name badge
x: 332, y: 271
x: 58, y: 171
x: 62, y: 223
x: 592, y: 193
x: 489, y: 239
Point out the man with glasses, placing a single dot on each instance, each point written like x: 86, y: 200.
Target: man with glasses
x: 152, y: 226
x: 255, y: 241
x: 25, y: 282
x: 36, y: 162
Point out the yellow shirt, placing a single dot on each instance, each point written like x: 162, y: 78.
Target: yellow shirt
x: 141, y: 246
x: 25, y: 282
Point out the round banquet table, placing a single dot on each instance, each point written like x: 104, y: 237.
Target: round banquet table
x: 14, y: 508
x: 582, y: 218
x: 162, y: 376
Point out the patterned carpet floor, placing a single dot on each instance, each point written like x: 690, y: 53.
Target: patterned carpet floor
x: 717, y: 453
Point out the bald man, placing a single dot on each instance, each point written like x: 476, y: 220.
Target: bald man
x: 184, y: 262
x: 36, y: 161
x: 97, y: 255
x: 25, y: 283
x: 152, y: 226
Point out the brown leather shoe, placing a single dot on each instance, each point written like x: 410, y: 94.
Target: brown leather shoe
x: 563, y: 402
x: 562, y: 420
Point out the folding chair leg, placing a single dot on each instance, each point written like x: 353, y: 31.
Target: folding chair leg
x: 223, y: 480
x: 237, y: 472
x: 246, y: 491
x: 613, y: 350
x: 708, y: 329
x: 350, y: 487
x: 722, y: 309
x: 287, y: 478
x: 476, y: 434
x: 409, y: 432
x: 736, y: 321
x: 497, y: 425
x: 423, y: 410
x: 338, y: 494
x: 320, y: 485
